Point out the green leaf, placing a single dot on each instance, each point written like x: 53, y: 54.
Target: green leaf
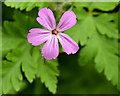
x: 18, y: 29
x: 106, y: 27
x: 24, y: 5
x: 9, y: 36
x: 94, y: 32
x: 13, y: 74
x: 80, y: 13
x: 10, y: 42
x: 46, y: 70
x: 87, y: 25
x: 103, y: 51
x: 14, y: 38
x: 83, y: 32
x: 104, y: 6
x: 82, y: 4
x: 49, y: 68
x: 28, y: 65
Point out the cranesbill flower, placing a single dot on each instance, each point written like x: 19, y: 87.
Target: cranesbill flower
x: 52, y: 34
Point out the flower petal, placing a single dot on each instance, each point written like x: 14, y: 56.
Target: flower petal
x: 69, y: 45
x: 67, y: 21
x: 38, y: 36
x: 51, y: 48
x: 46, y: 18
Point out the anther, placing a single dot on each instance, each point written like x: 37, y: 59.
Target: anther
x: 54, y: 32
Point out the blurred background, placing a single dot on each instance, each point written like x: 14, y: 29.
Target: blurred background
x: 92, y: 70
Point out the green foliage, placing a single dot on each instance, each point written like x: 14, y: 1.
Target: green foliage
x: 17, y: 57
x: 46, y: 70
x: 104, y: 56
x: 11, y: 72
x: 49, y: 68
x: 100, y: 37
x: 15, y: 60
x: 104, y: 6
x: 24, y: 5
x: 106, y: 27
x: 21, y: 27
x: 97, y: 33
x: 21, y: 56
x: 87, y: 24
x: 82, y: 29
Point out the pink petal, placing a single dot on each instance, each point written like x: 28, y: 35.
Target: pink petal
x: 38, y: 36
x: 69, y: 45
x: 67, y: 21
x: 46, y: 18
x: 51, y: 48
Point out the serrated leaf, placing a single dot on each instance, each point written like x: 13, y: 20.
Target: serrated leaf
x: 47, y: 71
x: 87, y: 25
x: 105, y: 6
x: 25, y: 58
x: 18, y: 29
x: 106, y: 27
x: 95, y: 32
x: 14, y: 36
x: 24, y: 5
x: 82, y: 30
x: 103, y: 51
x: 49, y: 68
x: 28, y: 66
x: 14, y: 75
x: 9, y: 36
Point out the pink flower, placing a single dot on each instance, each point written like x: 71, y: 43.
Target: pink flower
x: 51, y: 48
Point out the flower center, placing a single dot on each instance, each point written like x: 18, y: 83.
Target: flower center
x: 55, y: 32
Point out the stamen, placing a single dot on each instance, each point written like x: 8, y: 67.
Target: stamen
x: 55, y: 32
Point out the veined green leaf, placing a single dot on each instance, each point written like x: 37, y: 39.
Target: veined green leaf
x: 18, y: 29
x: 99, y: 35
x: 82, y: 30
x: 46, y: 70
x: 87, y: 25
x: 24, y: 5
x: 12, y: 75
x: 11, y: 69
x: 103, y: 51
x: 28, y: 61
x: 14, y: 38
x: 106, y: 27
